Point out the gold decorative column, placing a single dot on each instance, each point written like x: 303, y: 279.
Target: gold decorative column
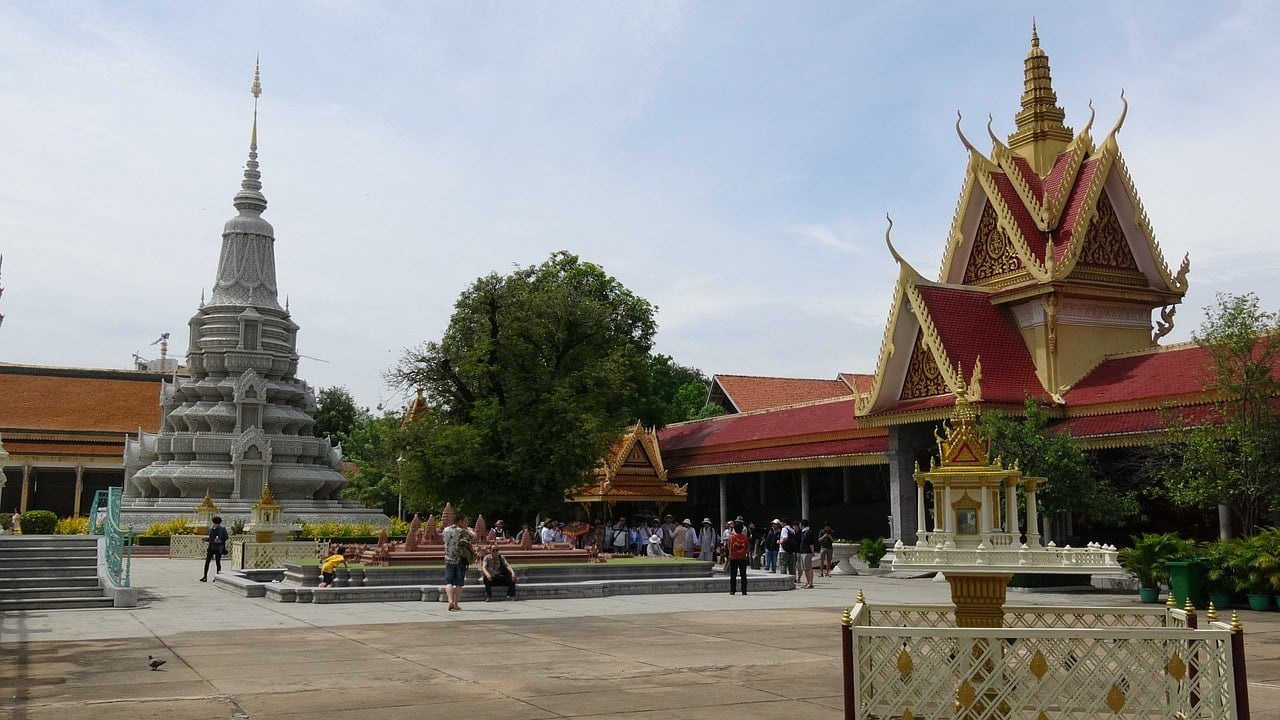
x: 979, y: 599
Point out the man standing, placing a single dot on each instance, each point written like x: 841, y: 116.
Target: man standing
x: 804, y: 564
x: 826, y: 547
x: 788, y: 542
x: 455, y: 560
x: 680, y: 538
x: 497, y: 571
x: 217, y: 541
x: 737, y: 548
x: 707, y: 541
x: 770, y: 545
x: 669, y: 534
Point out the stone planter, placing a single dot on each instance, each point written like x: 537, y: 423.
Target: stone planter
x: 842, y: 554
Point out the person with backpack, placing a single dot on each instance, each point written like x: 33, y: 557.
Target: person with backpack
x: 788, y: 546
x: 804, y: 559
x: 770, y: 545
x: 738, y: 547
x: 458, y: 554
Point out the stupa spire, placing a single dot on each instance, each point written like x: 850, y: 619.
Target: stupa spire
x: 250, y: 198
x: 1041, y: 135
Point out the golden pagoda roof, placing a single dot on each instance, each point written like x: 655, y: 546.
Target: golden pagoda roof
x: 632, y: 471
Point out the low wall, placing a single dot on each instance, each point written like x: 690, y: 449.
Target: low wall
x: 251, y: 554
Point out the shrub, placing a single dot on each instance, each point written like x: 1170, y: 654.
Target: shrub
x: 1150, y: 551
x: 72, y: 526
x: 37, y: 522
x: 168, y: 528
x: 398, y: 527
x: 871, y: 550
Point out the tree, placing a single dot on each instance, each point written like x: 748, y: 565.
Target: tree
x: 373, y: 475
x: 536, y: 376
x: 336, y: 413
x: 1075, y: 487
x: 674, y: 393
x: 1231, y: 455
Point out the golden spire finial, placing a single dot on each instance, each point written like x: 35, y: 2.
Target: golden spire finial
x: 1041, y: 135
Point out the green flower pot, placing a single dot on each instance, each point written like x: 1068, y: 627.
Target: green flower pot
x: 1220, y: 600
x: 1149, y: 595
x: 1261, y: 603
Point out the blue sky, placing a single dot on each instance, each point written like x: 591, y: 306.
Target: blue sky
x: 731, y: 162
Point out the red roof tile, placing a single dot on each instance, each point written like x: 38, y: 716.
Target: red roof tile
x: 815, y: 418
x: 860, y: 382
x: 1161, y: 373
x: 751, y: 392
x: 849, y: 446
x: 971, y: 327
x: 70, y: 399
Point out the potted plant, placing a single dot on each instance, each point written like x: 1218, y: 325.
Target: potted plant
x: 1255, y: 568
x: 1147, y: 558
x: 1218, y: 561
x: 871, y: 550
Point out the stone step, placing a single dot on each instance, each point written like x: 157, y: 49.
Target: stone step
x: 92, y: 592
x: 79, y: 570
x: 81, y: 581
x: 47, y: 561
x: 57, y: 604
x: 16, y: 542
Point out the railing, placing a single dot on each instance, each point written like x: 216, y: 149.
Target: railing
x: 1046, y: 663
x: 119, y: 539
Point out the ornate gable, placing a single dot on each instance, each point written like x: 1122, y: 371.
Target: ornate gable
x: 991, y: 260
x: 923, y: 379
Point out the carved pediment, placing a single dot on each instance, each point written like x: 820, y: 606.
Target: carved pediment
x: 250, y: 386
x: 253, y: 445
x: 924, y: 378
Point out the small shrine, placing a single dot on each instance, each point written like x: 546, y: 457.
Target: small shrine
x: 975, y: 540
x: 204, y: 513
x: 267, y: 520
x: 632, y: 472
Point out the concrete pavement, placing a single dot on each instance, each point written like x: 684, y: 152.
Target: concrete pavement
x: 709, y: 655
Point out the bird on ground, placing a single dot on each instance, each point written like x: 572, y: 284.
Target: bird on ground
x: 154, y: 663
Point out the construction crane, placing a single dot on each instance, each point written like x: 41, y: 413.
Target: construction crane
x: 163, y: 342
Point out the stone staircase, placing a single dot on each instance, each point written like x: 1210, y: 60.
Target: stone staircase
x: 49, y: 572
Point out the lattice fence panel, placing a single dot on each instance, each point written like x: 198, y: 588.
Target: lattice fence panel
x: 1083, y: 618
x: 1042, y: 677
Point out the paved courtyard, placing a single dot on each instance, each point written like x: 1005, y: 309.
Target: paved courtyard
x: 770, y: 655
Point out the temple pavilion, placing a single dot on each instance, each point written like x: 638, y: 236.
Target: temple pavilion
x: 1052, y: 287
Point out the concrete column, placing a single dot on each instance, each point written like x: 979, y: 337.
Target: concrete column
x: 75, y: 509
x: 764, y: 489
x: 26, y: 487
x: 724, y: 502
x: 804, y: 495
x: 904, y: 442
x: 1033, y: 519
x: 846, y: 477
x: 920, y: 514
x: 1011, y: 510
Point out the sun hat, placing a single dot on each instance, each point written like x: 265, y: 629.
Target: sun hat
x: 686, y: 521
x: 655, y: 539
x: 706, y: 521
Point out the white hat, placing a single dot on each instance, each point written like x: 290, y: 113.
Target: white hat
x: 706, y: 521
x: 776, y: 521
x: 655, y: 539
x: 687, y: 521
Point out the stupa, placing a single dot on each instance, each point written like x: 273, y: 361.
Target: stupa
x: 242, y: 418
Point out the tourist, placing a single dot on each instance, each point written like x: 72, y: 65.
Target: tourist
x: 329, y: 569
x: 788, y: 544
x: 770, y: 546
x: 804, y: 561
x: 455, y: 562
x: 655, y: 546
x: 636, y: 538
x: 621, y: 535
x: 497, y: 571
x: 217, y: 547
x: 557, y: 535
x: 738, y: 548
x: 669, y: 534
x: 826, y: 547
x: 15, y: 525
x: 680, y: 538
x: 691, y: 543
x: 707, y: 541
x: 499, y: 530
x: 525, y: 532
x: 754, y: 536
x: 548, y: 534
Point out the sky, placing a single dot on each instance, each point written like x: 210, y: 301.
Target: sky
x: 732, y: 162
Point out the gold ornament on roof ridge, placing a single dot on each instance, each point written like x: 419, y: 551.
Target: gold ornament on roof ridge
x: 207, y: 505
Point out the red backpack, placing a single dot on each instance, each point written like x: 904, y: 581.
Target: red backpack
x: 738, y: 544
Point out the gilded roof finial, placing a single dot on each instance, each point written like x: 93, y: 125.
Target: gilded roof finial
x: 892, y: 250
x: 1041, y: 135
x: 963, y: 140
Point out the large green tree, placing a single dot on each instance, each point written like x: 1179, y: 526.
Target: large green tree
x: 1076, y: 489
x: 674, y: 393
x: 374, y: 474
x: 336, y: 413
x: 1230, y: 455
x: 537, y: 374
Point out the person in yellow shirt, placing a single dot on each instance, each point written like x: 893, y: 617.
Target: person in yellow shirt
x: 329, y: 567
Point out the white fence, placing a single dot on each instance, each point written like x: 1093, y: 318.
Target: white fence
x: 1046, y: 664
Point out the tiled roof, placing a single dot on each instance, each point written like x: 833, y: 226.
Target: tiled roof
x: 1155, y: 375
x: 1037, y: 240
x: 971, y: 327
x: 1140, y: 421
x: 752, y: 392
x: 848, y: 446
x: 860, y: 382
x: 834, y: 416
x: 66, y: 399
